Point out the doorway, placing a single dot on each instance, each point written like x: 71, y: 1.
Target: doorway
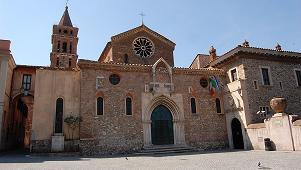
x: 162, y: 126
x: 238, y: 142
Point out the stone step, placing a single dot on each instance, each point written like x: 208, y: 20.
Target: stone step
x: 166, y: 150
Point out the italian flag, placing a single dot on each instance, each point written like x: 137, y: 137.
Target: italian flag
x: 214, y: 85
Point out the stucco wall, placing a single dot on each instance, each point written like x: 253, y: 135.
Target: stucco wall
x: 50, y: 85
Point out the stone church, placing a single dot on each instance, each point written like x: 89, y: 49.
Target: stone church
x: 134, y: 98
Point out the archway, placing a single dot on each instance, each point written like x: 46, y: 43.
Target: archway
x: 162, y: 126
x: 238, y: 142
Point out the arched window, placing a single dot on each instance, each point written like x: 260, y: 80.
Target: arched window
x: 126, y: 58
x: 59, y: 116
x: 70, y: 62
x: 128, y: 106
x: 218, y: 105
x: 99, y: 106
x: 57, y: 61
x: 70, y: 49
x: 58, y: 46
x: 193, y: 106
x: 64, y: 47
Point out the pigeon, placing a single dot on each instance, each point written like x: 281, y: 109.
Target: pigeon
x: 259, y: 164
x: 126, y: 158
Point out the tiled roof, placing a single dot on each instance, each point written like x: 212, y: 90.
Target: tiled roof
x: 65, y: 20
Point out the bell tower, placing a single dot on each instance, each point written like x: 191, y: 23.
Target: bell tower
x: 64, y: 43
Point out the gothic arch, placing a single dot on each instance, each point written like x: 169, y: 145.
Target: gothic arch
x: 167, y: 66
x: 177, y: 116
x: 167, y: 102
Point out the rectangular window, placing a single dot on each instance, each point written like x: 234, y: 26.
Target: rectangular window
x: 99, y: 106
x: 264, y: 111
x: 128, y: 105
x: 255, y: 84
x: 298, y: 77
x: 265, y: 76
x: 233, y: 73
x: 26, y: 82
x: 193, y: 105
x: 280, y: 85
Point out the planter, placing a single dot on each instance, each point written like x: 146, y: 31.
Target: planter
x: 278, y: 104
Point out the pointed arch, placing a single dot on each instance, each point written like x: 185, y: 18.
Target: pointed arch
x: 168, y: 67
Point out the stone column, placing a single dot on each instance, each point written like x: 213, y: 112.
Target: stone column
x: 179, y: 135
x: 280, y: 126
x: 147, y: 135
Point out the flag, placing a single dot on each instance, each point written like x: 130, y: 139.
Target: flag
x: 214, y: 85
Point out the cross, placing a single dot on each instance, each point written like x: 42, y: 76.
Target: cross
x: 67, y: 2
x: 142, y: 16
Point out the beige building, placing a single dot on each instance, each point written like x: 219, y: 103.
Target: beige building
x: 134, y: 98
x: 7, y: 64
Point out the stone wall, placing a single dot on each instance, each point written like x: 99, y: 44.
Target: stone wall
x: 280, y: 72
x: 114, y: 131
x: 124, y: 46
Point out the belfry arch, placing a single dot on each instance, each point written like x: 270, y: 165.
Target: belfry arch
x: 177, y: 120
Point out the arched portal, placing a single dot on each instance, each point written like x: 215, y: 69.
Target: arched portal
x: 162, y: 126
x: 238, y: 142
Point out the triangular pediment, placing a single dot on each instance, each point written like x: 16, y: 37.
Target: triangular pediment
x: 146, y: 29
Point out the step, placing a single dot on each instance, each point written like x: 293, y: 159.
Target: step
x: 166, y: 149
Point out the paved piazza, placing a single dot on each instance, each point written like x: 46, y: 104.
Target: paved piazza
x: 208, y: 160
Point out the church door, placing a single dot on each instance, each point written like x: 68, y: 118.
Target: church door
x: 162, y: 126
x: 238, y: 141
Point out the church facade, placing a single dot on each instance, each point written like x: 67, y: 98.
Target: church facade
x: 134, y: 97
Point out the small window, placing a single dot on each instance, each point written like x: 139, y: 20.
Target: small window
x: 71, y: 32
x: 114, y: 79
x: 280, y: 85
x: 204, y: 82
x: 255, y: 84
x: 218, y: 105
x: 128, y: 105
x: 233, y: 73
x: 99, y: 106
x: 298, y: 77
x: 65, y: 31
x: 126, y: 58
x: 264, y: 111
x: 58, y: 46
x: 70, y: 62
x: 70, y: 48
x: 60, y: 30
x: 265, y: 76
x: 64, y: 47
x: 26, y: 82
x: 193, y: 105
x: 57, y: 61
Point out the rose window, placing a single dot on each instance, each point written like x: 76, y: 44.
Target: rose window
x: 143, y: 47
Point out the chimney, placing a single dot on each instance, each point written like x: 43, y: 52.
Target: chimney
x: 212, y: 55
x: 278, y: 47
x: 245, y: 44
x: 4, y: 46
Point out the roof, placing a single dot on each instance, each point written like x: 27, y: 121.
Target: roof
x: 203, y: 60
x: 143, y: 28
x: 254, y: 50
x: 65, y: 20
x: 105, y: 50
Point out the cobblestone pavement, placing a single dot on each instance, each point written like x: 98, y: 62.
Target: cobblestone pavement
x: 207, y: 160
